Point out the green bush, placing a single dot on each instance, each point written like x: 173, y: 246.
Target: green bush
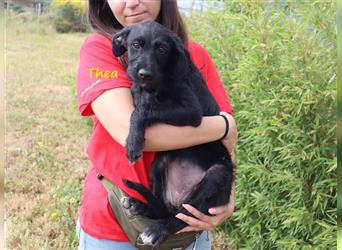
x: 17, y: 9
x: 278, y: 62
x: 62, y: 26
x: 68, y: 18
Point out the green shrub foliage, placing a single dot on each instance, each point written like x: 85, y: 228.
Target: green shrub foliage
x: 17, y: 9
x: 66, y: 17
x: 278, y: 62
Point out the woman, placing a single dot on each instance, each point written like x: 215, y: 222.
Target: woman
x: 104, y: 94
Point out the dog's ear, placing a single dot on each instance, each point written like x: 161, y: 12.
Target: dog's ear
x: 119, y: 44
x: 182, y: 57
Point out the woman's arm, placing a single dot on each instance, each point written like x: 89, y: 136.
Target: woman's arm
x: 114, y: 107
x: 231, y: 139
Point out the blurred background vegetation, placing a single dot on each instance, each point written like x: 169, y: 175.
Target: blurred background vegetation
x: 339, y: 124
x: 278, y: 61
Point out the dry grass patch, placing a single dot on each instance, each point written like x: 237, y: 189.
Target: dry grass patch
x: 45, y: 137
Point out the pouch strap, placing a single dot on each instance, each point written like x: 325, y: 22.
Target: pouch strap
x: 106, y: 183
x: 133, y: 226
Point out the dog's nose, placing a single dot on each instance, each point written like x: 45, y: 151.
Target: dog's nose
x: 144, y: 73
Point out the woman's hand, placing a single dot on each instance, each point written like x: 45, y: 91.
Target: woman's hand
x: 204, y: 222
x: 231, y: 139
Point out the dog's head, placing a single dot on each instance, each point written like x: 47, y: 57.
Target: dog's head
x: 156, y: 56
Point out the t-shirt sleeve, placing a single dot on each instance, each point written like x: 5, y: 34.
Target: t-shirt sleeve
x: 212, y: 79
x: 99, y: 70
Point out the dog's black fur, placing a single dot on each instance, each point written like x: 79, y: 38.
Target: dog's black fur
x: 168, y: 88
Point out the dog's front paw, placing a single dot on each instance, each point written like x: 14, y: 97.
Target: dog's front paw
x: 134, y: 148
x: 132, y: 154
x: 154, y: 235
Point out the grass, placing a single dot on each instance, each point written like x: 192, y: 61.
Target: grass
x: 45, y: 137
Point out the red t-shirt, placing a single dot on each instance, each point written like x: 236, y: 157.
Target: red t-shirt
x: 99, y: 71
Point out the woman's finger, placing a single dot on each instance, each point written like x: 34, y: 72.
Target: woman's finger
x: 193, y: 222
x: 188, y: 229
x: 218, y: 210
x: 199, y: 215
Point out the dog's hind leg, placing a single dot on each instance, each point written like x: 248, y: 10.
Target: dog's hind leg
x: 136, y: 207
x: 213, y: 190
x: 158, y: 232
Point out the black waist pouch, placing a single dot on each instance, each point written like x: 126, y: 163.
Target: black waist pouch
x: 133, y: 225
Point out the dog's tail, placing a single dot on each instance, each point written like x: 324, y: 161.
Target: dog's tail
x: 147, y: 194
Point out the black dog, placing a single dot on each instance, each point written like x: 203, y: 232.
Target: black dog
x: 168, y: 88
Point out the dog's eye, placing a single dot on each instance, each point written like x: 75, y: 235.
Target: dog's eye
x: 136, y: 45
x: 162, y: 50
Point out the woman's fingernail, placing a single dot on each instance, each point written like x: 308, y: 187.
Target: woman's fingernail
x: 212, y: 210
x: 178, y: 216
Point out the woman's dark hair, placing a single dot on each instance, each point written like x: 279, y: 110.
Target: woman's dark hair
x: 102, y: 20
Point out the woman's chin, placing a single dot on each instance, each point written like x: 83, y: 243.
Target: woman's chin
x: 131, y: 21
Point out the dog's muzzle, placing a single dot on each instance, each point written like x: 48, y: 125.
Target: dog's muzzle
x: 145, y: 74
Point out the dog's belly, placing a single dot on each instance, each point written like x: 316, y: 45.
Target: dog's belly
x: 181, y: 179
